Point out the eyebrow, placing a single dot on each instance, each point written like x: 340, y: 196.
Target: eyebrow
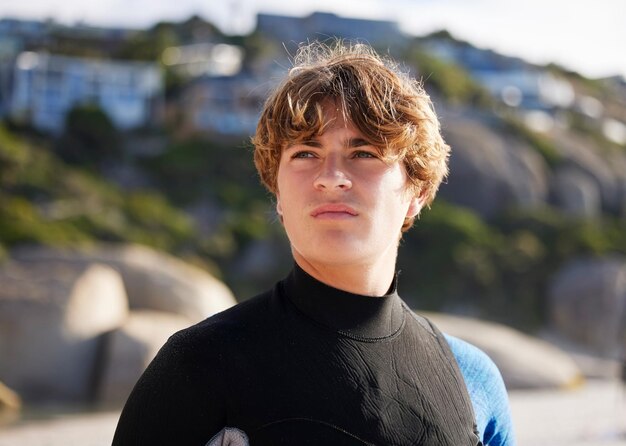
x: 312, y: 143
x: 350, y: 143
x: 358, y: 142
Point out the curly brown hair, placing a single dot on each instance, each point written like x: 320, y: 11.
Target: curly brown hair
x: 389, y: 107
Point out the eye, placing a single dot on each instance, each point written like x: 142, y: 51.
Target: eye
x: 363, y: 154
x: 303, y: 154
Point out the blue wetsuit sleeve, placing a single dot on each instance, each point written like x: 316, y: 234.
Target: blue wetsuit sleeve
x: 487, y: 392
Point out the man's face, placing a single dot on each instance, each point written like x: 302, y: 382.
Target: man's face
x: 340, y: 203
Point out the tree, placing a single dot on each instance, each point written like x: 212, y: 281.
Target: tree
x: 90, y: 138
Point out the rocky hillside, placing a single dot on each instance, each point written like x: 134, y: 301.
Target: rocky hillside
x: 45, y: 201
x: 532, y: 193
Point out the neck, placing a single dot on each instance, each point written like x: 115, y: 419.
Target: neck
x: 364, y: 279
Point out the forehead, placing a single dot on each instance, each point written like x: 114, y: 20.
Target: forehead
x: 336, y: 130
x: 336, y: 119
x: 335, y: 116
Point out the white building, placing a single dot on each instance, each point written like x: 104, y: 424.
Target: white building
x: 46, y: 87
x: 224, y: 105
x: 514, y: 81
x: 204, y: 59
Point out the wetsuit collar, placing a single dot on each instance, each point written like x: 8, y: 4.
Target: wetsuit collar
x: 355, y: 315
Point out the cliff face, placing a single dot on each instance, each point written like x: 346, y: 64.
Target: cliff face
x: 585, y: 179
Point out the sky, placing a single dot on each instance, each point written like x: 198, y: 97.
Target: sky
x: 588, y: 36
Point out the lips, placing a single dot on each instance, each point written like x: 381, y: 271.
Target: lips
x: 334, y: 210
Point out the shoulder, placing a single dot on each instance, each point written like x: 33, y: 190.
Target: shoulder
x: 187, y: 385
x: 226, y: 325
x: 487, y: 392
x: 193, y: 352
x: 474, y: 363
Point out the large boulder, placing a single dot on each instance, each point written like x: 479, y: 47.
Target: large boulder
x: 129, y: 350
x: 9, y: 400
x: 153, y: 280
x: 52, y: 318
x: 576, y: 193
x: 587, y: 304
x: 524, y: 361
x: 605, y: 169
x: 10, y: 405
x: 502, y: 173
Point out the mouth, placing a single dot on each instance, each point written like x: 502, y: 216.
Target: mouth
x: 334, y: 211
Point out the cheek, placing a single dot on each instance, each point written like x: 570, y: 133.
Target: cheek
x: 279, y: 187
x: 284, y: 179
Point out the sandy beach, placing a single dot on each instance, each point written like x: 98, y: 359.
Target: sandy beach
x: 591, y: 415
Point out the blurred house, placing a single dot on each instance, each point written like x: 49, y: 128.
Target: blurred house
x: 322, y: 25
x: 45, y: 87
x: 204, y: 59
x: 225, y: 99
x: 39, y: 89
x: 36, y: 34
x: 222, y: 105
x: 512, y: 80
x: 13, y: 35
x: 218, y: 97
x: 27, y: 31
x: 9, y: 49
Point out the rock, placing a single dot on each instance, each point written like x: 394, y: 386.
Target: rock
x: 530, y: 175
x: 583, y: 156
x: 9, y: 400
x: 10, y: 406
x: 502, y: 174
x: 129, y: 350
x: 576, y: 193
x: 153, y: 280
x: 587, y: 303
x: 525, y: 362
x: 52, y: 317
x: 617, y: 160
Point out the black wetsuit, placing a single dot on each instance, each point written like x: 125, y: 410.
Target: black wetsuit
x: 304, y: 364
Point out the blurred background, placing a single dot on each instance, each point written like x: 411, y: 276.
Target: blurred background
x: 130, y: 206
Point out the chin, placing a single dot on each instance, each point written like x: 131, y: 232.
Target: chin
x: 336, y: 253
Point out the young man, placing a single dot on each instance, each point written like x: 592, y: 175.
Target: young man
x: 352, y: 151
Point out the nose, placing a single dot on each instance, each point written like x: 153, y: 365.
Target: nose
x: 332, y: 176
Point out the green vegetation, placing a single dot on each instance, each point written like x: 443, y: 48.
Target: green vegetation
x: 453, y: 259
x: 149, y: 45
x: 448, y: 79
x: 45, y: 201
x: 222, y: 175
x: 89, y: 138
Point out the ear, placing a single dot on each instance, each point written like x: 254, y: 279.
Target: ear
x: 416, y: 205
x: 279, y: 209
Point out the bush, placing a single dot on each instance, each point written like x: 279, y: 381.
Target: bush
x: 452, y: 260
x: 436, y: 254
x: 89, y: 138
x: 46, y: 201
